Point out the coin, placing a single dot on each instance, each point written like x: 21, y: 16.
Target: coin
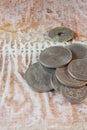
x: 79, y: 51
x: 74, y: 95
x: 55, y: 83
x: 54, y: 57
x: 65, y: 78
x: 38, y: 78
x: 85, y: 57
x: 61, y: 34
x: 49, y: 70
x: 78, y: 69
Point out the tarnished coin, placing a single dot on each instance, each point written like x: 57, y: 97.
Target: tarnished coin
x: 61, y: 34
x: 85, y: 57
x: 54, y: 57
x: 79, y: 51
x: 74, y: 95
x: 66, y: 79
x: 38, y: 78
x: 49, y: 70
x: 78, y: 69
x: 55, y: 83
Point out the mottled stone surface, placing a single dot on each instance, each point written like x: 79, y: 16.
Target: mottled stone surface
x: 23, y: 34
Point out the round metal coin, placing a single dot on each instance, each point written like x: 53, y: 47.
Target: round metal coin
x: 78, y: 69
x: 74, y: 95
x: 55, y: 83
x: 66, y: 79
x: 61, y: 34
x: 54, y: 57
x: 49, y: 70
x: 79, y: 51
x: 38, y: 78
x: 85, y: 57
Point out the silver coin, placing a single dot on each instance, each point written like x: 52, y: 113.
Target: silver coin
x: 66, y: 79
x: 79, y: 51
x: 54, y: 57
x: 78, y: 69
x: 55, y: 83
x: 49, y: 70
x: 61, y: 34
x: 38, y: 78
x: 74, y: 95
x: 85, y: 57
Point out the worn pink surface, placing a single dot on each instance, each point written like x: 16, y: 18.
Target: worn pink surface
x: 23, y: 34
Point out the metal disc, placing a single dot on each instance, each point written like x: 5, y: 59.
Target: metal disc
x: 78, y: 69
x: 61, y: 34
x: 54, y: 57
x: 49, y: 70
x: 79, y: 51
x: 38, y: 78
x: 66, y: 79
x: 74, y: 95
x: 85, y: 56
x: 55, y: 83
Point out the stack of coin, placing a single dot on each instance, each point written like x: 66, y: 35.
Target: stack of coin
x: 39, y: 75
x: 63, y: 69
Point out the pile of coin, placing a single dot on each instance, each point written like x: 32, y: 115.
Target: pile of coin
x: 62, y: 68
